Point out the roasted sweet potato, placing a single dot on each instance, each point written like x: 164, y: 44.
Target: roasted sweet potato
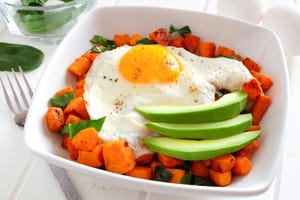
x: 242, y: 166
x: 207, y: 49
x: 80, y: 66
x: 220, y: 178
x: 191, y: 42
x: 169, y: 161
x: 252, y: 88
x: 140, y: 172
x: 145, y: 159
x: 77, y: 107
x: 66, y: 89
x: 92, y: 158
x: 161, y: 36
x: 223, y: 163
x: 121, y: 39
x: 198, y: 168
x: 118, y: 157
x: 134, y: 38
x: 55, y: 119
x: 264, y: 80
x: 251, y: 64
x: 86, y: 139
x: 176, y: 42
x: 177, y: 174
x: 225, y: 51
x: 260, y: 106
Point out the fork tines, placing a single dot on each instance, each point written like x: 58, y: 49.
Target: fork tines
x: 14, y: 87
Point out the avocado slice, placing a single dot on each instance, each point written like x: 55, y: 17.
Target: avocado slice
x: 210, y: 130
x: 228, y: 106
x: 200, y: 149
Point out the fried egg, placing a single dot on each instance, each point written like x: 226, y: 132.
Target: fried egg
x: 147, y: 75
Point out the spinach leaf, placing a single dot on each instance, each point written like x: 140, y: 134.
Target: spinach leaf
x: 33, y: 2
x: 102, y: 41
x: 15, y: 55
x: 73, y: 128
x: 62, y: 100
x: 182, y: 31
x: 198, y: 180
x: 144, y: 41
x: 161, y: 174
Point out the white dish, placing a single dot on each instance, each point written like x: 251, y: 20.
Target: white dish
x: 247, y: 39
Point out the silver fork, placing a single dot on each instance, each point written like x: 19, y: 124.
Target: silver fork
x: 18, y: 103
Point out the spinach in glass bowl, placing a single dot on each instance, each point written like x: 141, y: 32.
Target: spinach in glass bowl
x: 43, y: 19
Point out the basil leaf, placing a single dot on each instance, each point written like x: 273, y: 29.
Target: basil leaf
x: 15, y: 55
x: 187, y: 178
x: 62, y: 100
x: 98, y: 39
x: 182, y: 31
x: 197, y: 180
x: 161, y: 174
x: 144, y: 41
x: 73, y: 128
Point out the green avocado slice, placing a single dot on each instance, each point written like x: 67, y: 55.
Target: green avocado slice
x: 210, y: 130
x: 200, y: 149
x: 228, y: 106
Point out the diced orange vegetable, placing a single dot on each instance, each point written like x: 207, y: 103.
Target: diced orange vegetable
x: 242, y: 166
x: 134, y: 38
x: 177, y: 174
x: 86, y: 139
x: 225, y: 51
x: 191, y: 42
x: 253, y: 146
x: 238, y: 57
x: 252, y: 88
x: 254, y: 128
x: 118, y: 157
x: 121, y: 39
x: 55, y: 119
x: 220, y: 178
x: 80, y: 66
x: 207, y: 49
x: 264, y: 80
x: 161, y: 36
x: 223, y: 163
x: 176, y: 42
x: 79, y: 84
x: 73, y: 119
x: 92, y: 158
x: 72, y: 150
x: 198, y: 168
x: 140, y: 172
x: 169, y: 161
x: 260, y: 106
x: 90, y: 55
x: 78, y: 92
x: 154, y: 164
x: 77, y: 107
x: 207, y: 162
x: 251, y: 64
x: 64, y: 141
x: 145, y: 159
x: 67, y: 89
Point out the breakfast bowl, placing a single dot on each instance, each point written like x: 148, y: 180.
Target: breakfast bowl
x: 46, y: 21
x: 247, y: 39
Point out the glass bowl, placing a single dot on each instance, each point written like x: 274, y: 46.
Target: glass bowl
x: 48, y: 22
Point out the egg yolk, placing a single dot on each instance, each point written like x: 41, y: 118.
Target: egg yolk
x: 150, y: 63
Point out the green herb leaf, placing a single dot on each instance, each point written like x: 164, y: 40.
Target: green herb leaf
x: 161, y: 174
x: 62, y: 100
x: 106, y: 43
x: 144, y: 41
x: 73, y: 128
x: 182, y: 31
x: 187, y: 178
x: 197, y: 180
x: 15, y: 55
x: 33, y: 2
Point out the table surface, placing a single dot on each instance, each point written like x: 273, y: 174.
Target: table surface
x: 24, y: 176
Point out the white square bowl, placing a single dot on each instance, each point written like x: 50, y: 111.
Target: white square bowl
x: 247, y: 39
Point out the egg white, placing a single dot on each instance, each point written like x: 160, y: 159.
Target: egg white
x: 107, y: 93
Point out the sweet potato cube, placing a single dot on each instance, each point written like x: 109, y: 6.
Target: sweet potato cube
x: 118, y: 157
x: 92, y: 158
x: 220, y: 178
x: 242, y: 166
x: 80, y: 66
x: 223, y: 163
x: 77, y: 107
x: 145, y: 159
x: 198, y: 168
x: 86, y: 139
x: 55, y: 119
x: 177, y: 174
x: 140, y: 172
x: 169, y: 161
